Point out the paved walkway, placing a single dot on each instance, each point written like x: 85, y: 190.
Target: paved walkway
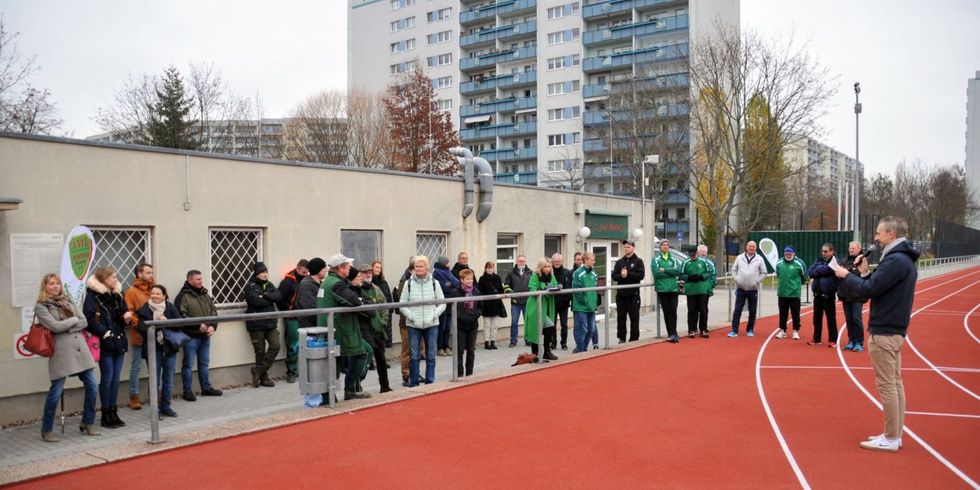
x: 245, y: 409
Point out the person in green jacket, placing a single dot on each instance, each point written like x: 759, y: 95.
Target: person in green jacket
x: 698, y: 276
x: 542, y: 279
x: 666, y: 270
x: 791, y: 273
x: 336, y: 291
x: 584, y: 304
x: 372, y: 322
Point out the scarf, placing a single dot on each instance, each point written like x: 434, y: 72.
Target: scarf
x: 468, y: 292
x: 157, y: 308
x: 63, y: 305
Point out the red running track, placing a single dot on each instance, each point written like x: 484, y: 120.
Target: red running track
x: 663, y: 415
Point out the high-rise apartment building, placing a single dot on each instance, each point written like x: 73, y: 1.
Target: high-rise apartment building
x: 527, y: 81
x: 972, y: 163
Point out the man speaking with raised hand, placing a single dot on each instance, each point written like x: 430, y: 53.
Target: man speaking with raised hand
x: 891, y: 289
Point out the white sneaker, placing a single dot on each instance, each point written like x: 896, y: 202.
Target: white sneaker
x: 882, y: 443
x: 781, y: 334
x: 871, y: 438
x: 796, y: 335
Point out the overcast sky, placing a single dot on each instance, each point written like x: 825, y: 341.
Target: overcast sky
x: 913, y: 59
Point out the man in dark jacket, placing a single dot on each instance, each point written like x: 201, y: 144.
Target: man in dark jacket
x: 562, y: 301
x: 289, y: 289
x: 891, y: 289
x: 824, y: 289
x: 309, y: 287
x: 517, y: 282
x: 450, y: 289
x: 853, y: 317
x: 193, y: 301
x: 262, y: 296
x: 462, y: 262
x: 628, y: 270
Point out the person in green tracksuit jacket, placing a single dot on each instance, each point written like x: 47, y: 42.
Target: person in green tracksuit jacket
x: 585, y: 304
x: 666, y: 270
x: 791, y: 274
x: 698, y: 276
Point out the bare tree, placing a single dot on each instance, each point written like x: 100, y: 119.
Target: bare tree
x: 220, y: 112
x: 23, y: 108
x: 316, y: 130
x: 367, y: 127
x: 570, y: 174
x: 727, y: 70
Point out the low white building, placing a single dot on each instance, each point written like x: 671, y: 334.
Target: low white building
x: 192, y: 210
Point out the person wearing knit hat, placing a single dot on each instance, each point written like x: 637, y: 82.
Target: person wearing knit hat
x: 309, y: 287
x: 262, y: 296
x: 316, y: 265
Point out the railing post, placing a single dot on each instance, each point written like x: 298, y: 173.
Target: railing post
x: 332, y: 364
x: 728, y: 289
x: 453, y: 343
x: 657, y: 311
x: 150, y: 344
x: 608, y: 296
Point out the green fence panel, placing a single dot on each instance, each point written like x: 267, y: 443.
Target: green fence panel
x: 806, y: 243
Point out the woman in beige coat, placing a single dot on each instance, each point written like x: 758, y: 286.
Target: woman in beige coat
x: 72, y: 357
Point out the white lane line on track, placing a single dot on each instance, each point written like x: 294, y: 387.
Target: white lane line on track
x: 840, y: 355
x: 772, y: 420
x: 765, y: 403
x: 937, y: 414
x: 966, y: 323
x: 908, y: 340
x: 868, y: 368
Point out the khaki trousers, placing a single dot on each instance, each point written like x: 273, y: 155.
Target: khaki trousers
x: 886, y: 359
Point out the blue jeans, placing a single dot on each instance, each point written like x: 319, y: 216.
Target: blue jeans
x: 741, y: 296
x: 136, y: 351
x: 445, y: 327
x: 200, y: 350
x: 855, y: 322
x: 110, y: 368
x: 584, y: 326
x: 515, y: 312
x: 54, y: 394
x: 414, y: 338
x: 166, y: 363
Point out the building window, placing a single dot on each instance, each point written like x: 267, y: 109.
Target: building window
x: 403, y: 67
x: 122, y: 249
x: 563, y: 113
x: 566, y: 36
x: 432, y: 245
x: 440, y: 60
x: 406, y: 23
x: 553, y: 244
x: 556, y: 63
x: 508, y: 245
x: 400, y: 4
x: 440, y: 37
x: 443, y: 82
x: 560, y: 165
x: 445, y: 105
x: 233, y: 251
x: 402, y: 46
x: 563, y: 11
x: 556, y: 140
x: 681, y: 213
x: 441, y: 14
x: 556, y: 88
x: 364, y: 246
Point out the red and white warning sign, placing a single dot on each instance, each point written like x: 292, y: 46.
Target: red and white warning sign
x: 19, y: 351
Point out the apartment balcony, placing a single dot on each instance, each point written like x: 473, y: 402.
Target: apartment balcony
x: 505, y: 7
x: 673, y: 226
x: 510, y: 154
x: 525, y: 178
x: 605, y: 9
x: 491, y: 59
x: 500, y: 105
x: 629, y: 58
x: 602, y: 90
x: 499, y: 81
x: 677, y: 196
x: 601, y: 118
x: 604, y: 36
x: 503, y: 33
x: 489, y: 132
x: 594, y: 145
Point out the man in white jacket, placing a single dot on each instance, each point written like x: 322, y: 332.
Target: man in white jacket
x: 749, y: 271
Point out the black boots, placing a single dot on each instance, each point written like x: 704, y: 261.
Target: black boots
x: 493, y: 345
x: 110, y: 418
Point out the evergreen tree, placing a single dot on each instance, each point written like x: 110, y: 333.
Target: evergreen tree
x: 169, y: 125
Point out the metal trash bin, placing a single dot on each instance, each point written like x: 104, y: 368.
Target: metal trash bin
x: 314, y: 359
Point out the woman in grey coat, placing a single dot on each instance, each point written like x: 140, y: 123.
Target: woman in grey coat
x: 72, y: 357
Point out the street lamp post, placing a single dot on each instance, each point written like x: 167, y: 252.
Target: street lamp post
x: 857, y: 160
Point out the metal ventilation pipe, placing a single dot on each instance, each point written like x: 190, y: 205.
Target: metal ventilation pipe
x: 484, y: 172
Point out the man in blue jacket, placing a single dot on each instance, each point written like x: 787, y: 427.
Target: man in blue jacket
x: 891, y: 289
x: 824, y: 288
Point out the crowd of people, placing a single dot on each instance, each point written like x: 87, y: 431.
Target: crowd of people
x: 119, y: 320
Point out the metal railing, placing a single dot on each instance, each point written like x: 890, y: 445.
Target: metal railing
x: 942, y: 264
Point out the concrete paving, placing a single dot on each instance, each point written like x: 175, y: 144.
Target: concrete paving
x: 23, y: 455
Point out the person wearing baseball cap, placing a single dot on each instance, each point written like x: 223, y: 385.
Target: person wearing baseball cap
x: 791, y: 275
x: 336, y: 291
